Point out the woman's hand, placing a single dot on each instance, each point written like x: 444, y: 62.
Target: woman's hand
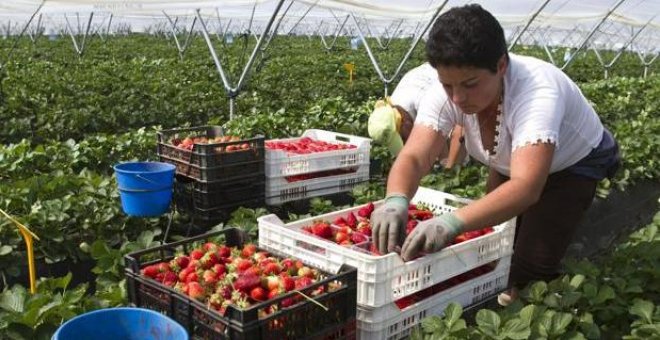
x: 388, y: 223
x: 431, y: 235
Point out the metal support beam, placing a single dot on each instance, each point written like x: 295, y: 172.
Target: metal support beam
x: 374, y: 62
x: 181, y: 48
x: 336, y: 35
x: 232, y: 92
x: 529, y: 22
x: 301, y: 18
x: 584, y: 42
x: 80, y: 49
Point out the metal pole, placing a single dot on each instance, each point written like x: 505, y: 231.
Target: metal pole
x: 302, y: 17
x: 232, y: 92
x: 408, y: 53
x: 584, y: 42
x: 529, y: 22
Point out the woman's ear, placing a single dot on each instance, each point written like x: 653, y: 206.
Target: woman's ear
x: 502, y: 64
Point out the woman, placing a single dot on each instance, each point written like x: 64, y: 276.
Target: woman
x: 545, y: 147
x: 408, y: 97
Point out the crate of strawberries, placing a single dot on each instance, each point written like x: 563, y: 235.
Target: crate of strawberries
x: 315, y: 151
x: 344, y: 237
x: 220, y: 287
x: 208, y: 146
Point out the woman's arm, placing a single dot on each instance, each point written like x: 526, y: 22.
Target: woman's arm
x: 530, y: 166
x: 415, y: 160
x: 455, y: 147
x: 494, y: 180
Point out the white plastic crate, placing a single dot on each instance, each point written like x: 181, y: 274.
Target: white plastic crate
x: 280, y: 163
x: 389, y: 322
x: 386, y: 278
x: 279, y: 187
x: 300, y: 194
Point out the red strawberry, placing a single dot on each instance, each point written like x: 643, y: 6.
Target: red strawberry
x: 303, y: 282
x: 358, y: 238
x: 224, y: 252
x: 243, y: 264
x: 410, y: 226
x: 196, y: 254
x: 351, y: 220
x: 210, y: 277
x: 245, y: 282
x: 208, y: 260
x: 364, y: 212
x: 219, y: 269
x: 183, y: 274
x: 169, y: 279
x: 150, y: 271
x: 192, y: 277
x: 306, y: 272
x: 341, y: 237
x: 195, y: 290
x: 270, y: 282
x: 322, y: 229
x: 288, y: 302
x: 258, y: 294
x: 248, y: 250
x: 288, y: 283
x: 209, y: 246
x: 339, y: 221
x: 164, y: 267
x: 273, y: 293
x: 272, y: 268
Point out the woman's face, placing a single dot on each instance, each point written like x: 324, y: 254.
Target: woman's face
x: 470, y: 88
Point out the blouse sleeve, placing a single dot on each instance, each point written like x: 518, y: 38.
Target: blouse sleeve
x: 436, y: 111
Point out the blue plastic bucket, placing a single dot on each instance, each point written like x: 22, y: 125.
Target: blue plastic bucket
x: 121, y: 324
x: 145, y: 188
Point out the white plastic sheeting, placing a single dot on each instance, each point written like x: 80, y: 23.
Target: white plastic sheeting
x: 560, y: 22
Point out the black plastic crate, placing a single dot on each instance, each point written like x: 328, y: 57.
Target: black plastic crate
x: 209, y: 217
x: 212, y: 154
x: 210, y: 195
x: 226, y: 172
x: 305, y: 320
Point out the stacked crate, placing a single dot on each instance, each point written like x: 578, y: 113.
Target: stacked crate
x: 214, y: 175
x: 393, y: 296
x: 315, y: 164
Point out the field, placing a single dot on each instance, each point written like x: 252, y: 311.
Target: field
x: 68, y: 118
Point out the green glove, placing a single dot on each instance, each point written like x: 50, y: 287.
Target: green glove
x: 431, y: 235
x: 388, y: 223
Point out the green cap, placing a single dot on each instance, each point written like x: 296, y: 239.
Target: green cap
x: 382, y: 128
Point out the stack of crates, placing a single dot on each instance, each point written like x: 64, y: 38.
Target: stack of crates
x: 215, y: 175
x: 339, y: 165
x: 394, y: 296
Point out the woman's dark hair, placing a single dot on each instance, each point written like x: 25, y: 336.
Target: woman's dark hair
x: 466, y: 36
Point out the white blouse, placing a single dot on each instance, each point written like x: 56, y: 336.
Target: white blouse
x: 541, y: 105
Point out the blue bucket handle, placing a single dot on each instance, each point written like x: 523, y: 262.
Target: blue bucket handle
x: 145, y: 190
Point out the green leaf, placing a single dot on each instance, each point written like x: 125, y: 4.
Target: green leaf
x: 488, y: 321
x: 433, y: 324
x: 13, y: 300
x: 577, y: 281
x: 526, y: 314
x: 5, y: 249
x: 516, y: 329
x: 559, y: 322
x: 452, y: 313
x: 573, y: 335
x: 537, y: 291
x: 605, y: 293
x: 643, y: 309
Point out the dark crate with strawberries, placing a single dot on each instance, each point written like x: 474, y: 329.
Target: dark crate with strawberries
x: 208, y: 146
x: 228, y: 172
x: 220, y: 287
